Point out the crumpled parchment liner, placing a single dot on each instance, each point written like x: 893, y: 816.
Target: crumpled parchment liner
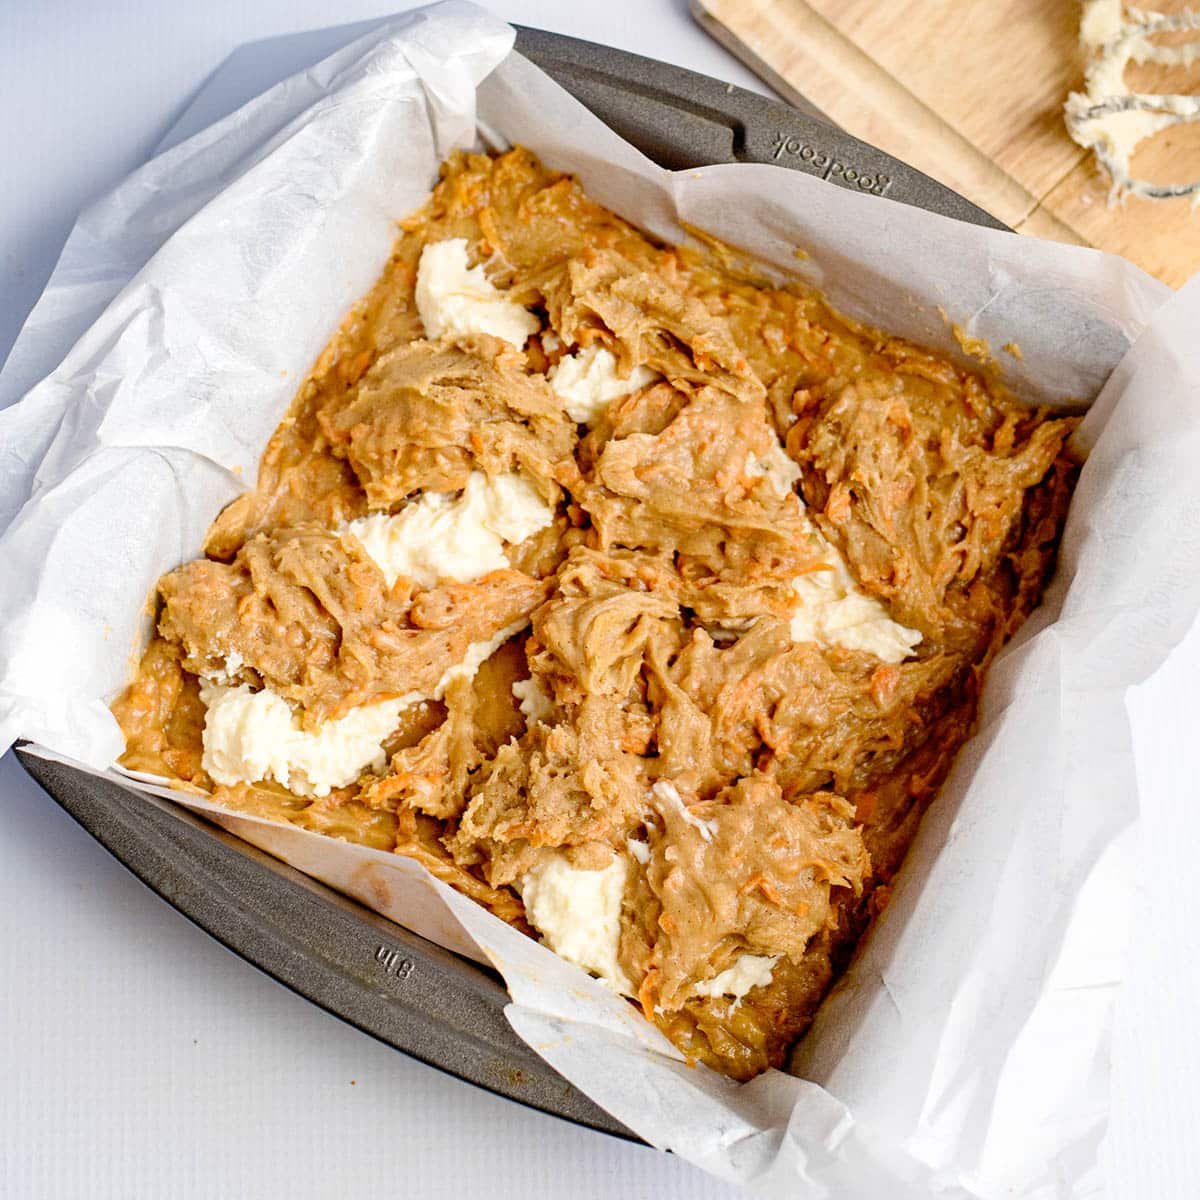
x: 965, y: 1053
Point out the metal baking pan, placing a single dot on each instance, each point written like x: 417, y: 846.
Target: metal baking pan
x: 386, y: 981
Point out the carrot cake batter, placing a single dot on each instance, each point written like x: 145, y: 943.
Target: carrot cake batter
x: 642, y: 601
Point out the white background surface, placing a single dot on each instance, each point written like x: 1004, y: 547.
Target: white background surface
x: 139, y: 1058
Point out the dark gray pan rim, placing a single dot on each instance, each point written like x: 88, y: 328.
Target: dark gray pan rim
x: 435, y: 1006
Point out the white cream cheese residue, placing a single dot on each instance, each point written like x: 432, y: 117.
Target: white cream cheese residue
x: 437, y: 537
x: 532, y: 699
x: 251, y: 736
x: 227, y: 672
x: 1100, y: 22
x: 477, y: 654
x: 578, y: 914
x: 455, y: 300
x: 638, y: 850
x: 668, y: 797
x: 1109, y: 117
x: 750, y: 971
x: 587, y: 382
x: 776, y: 467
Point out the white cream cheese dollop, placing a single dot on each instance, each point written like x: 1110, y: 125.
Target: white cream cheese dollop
x: 578, y: 914
x: 750, y: 971
x: 533, y: 700
x: 831, y: 609
x: 455, y: 300
x: 252, y: 736
x: 587, y: 382
x: 437, y: 537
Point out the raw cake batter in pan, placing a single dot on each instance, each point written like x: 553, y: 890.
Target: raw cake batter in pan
x: 643, y: 601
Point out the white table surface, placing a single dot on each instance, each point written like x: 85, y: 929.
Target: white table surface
x: 140, y: 1058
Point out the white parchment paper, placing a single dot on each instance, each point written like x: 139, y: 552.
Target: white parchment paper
x: 965, y: 1053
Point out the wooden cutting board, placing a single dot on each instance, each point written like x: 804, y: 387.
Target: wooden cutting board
x: 971, y: 92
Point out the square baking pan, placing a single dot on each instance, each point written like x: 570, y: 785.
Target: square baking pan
x: 442, y: 1009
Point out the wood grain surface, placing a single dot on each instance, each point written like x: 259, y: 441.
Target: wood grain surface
x: 971, y: 92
